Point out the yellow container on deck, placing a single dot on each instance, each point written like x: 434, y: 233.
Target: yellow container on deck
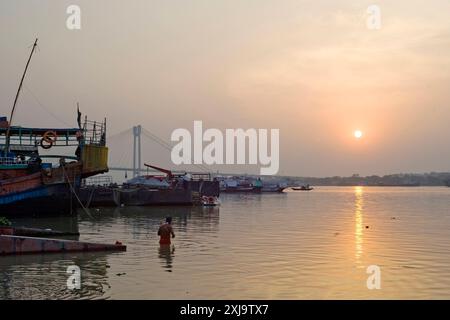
x: 95, y: 159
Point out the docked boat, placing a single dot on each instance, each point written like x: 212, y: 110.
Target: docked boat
x: 31, y: 186
x: 99, y: 191
x: 143, y: 196
x: 274, y: 187
x: 240, y: 185
x: 168, y: 189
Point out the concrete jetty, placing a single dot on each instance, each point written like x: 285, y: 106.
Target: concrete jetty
x: 35, y: 232
x: 11, y: 245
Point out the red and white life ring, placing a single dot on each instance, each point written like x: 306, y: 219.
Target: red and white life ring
x: 48, y: 139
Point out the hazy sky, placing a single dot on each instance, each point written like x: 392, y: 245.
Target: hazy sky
x: 310, y: 68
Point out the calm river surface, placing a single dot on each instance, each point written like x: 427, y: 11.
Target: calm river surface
x: 295, y: 245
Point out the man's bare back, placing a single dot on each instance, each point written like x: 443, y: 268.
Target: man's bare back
x: 165, y: 231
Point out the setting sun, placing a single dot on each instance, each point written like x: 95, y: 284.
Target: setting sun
x: 358, y: 134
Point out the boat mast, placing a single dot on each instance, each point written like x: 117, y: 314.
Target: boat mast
x: 7, y: 138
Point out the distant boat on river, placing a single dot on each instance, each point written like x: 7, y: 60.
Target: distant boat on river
x: 303, y: 188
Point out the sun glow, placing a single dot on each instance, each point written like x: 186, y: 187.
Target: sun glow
x: 358, y: 134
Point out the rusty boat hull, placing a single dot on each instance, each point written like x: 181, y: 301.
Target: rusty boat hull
x: 56, y: 199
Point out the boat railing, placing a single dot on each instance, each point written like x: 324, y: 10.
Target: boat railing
x: 94, y: 132
x: 201, y: 176
x: 32, y: 137
x: 97, y: 181
x: 13, y: 161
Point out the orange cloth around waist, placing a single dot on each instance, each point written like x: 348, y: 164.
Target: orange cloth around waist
x: 164, y: 240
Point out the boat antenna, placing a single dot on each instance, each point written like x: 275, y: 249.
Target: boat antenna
x: 8, y: 132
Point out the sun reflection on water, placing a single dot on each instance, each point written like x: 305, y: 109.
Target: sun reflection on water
x: 358, y: 223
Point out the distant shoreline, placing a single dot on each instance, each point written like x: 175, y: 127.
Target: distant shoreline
x: 433, y: 179
x: 379, y: 186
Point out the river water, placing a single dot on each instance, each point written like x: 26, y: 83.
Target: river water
x: 295, y: 245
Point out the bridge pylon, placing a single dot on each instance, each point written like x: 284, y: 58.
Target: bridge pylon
x: 137, y: 150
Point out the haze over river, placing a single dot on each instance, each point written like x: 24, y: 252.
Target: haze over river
x: 295, y: 245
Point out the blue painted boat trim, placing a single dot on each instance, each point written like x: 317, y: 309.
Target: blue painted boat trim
x: 23, y: 195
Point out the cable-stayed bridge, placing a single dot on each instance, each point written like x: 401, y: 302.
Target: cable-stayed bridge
x: 129, y: 158
x: 129, y: 147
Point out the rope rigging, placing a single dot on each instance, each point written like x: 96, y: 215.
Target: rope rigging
x: 42, y: 106
x: 169, y: 147
x: 126, y: 157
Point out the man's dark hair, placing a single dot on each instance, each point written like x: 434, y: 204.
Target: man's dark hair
x: 169, y: 219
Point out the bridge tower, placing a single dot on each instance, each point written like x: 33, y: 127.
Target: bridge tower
x: 137, y: 150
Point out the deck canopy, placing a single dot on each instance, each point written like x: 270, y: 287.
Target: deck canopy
x: 21, y: 136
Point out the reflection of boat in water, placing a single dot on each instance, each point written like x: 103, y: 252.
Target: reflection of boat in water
x: 303, y: 188
x: 141, y: 219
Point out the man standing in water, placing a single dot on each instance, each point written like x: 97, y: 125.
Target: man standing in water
x: 165, y: 231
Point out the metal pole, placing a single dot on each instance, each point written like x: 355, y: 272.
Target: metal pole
x: 139, y: 151
x: 134, y: 152
x: 7, y: 138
